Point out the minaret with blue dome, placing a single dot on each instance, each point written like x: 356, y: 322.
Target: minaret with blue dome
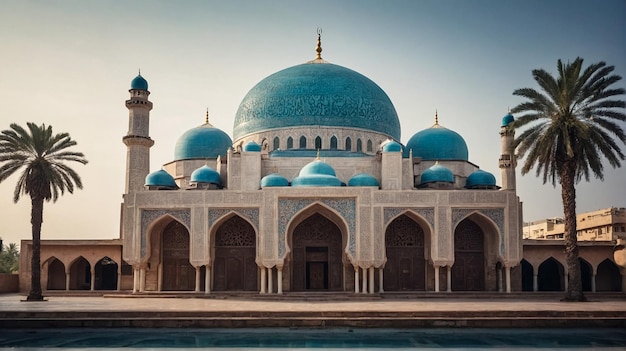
x: 507, y: 160
x: 137, y: 140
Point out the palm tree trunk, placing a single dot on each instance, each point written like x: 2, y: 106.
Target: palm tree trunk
x: 568, y: 195
x: 36, y: 219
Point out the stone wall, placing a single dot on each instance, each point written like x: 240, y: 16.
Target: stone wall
x: 9, y: 283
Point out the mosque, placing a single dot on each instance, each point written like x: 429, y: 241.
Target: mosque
x: 315, y: 192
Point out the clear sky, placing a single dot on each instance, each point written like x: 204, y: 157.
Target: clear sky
x: 69, y: 64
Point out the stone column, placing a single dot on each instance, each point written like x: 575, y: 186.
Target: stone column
x: 449, y: 278
x: 160, y: 277
x: 119, y: 281
x: 92, y: 283
x: 135, y: 279
x: 535, y: 282
x: 364, y: 288
x: 198, y: 278
x: 142, y: 279
x: 356, y: 279
x: 270, y: 281
x: 593, y: 282
x: 436, y: 278
x: 263, y: 280
x: 381, y: 271
x: 371, y: 270
x: 507, y: 277
x: 280, y: 279
x: 499, y: 279
x: 67, y: 280
x: 566, y: 280
x: 207, y: 280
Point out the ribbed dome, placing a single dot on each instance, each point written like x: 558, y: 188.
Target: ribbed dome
x: 251, y: 146
x: 437, y: 173
x: 437, y: 143
x: 363, y: 179
x: 274, y: 179
x: 316, y: 94
x: 204, y: 141
x: 317, y: 173
x: 480, y: 179
x: 507, y: 119
x: 392, y: 146
x: 139, y: 83
x: 205, y: 174
x: 160, y: 178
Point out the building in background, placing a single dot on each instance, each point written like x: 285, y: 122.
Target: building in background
x: 607, y: 224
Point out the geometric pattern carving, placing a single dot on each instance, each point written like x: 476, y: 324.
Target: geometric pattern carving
x: 252, y: 214
x: 427, y: 213
x: 403, y: 231
x: 148, y: 216
x: 235, y: 232
x: 175, y: 241
x: 495, y: 214
x: 287, y: 208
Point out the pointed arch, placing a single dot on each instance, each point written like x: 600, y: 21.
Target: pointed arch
x: 302, y: 143
x: 106, y: 271
x: 177, y: 273
x: 289, y: 143
x: 470, y: 265
x: 153, y: 231
x: 348, y: 144
x: 359, y: 145
x: 551, y: 275
x: 608, y: 277
x: 80, y: 274
x: 527, y: 275
x: 276, y: 145
x: 586, y: 274
x: 318, y: 143
x: 56, y: 273
x: 333, y: 143
x: 370, y: 147
x: 494, y: 245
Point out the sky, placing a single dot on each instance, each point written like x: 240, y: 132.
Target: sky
x: 69, y: 64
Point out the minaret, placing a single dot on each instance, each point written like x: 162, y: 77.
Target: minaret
x: 137, y: 139
x: 507, y: 158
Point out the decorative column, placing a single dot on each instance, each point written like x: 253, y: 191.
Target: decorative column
x: 356, y: 279
x: 380, y: 280
x: 371, y: 269
x: 449, y: 278
x: 207, y: 280
x: 270, y: 281
x: 263, y: 280
x: 507, y: 276
x: 364, y: 288
x: 92, y: 283
x: 135, y: 279
x: 535, y: 282
x: 593, y: 282
x: 198, y: 278
x: 67, y: 280
x: 119, y: 280
x: 280, y: 279
x: 142, y: 279
x: 436, y: 278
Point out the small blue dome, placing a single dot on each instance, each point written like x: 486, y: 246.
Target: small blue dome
x: 317, y: 173
x: 316, y: 94
x: 203, y: 142
x: 139, y: 83
x: 437, y: 143
x: 274, y: 179
x: 437, y: 173
x: 205, y: 174
x: 160, y: 178
x: 251, y: 146
x: 363, y: 179
x: 480, y: 179
x: 506, y: 120
x: 392, y: 146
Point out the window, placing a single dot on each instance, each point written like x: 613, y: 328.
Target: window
x: 303, y: 142
x: 333, y: 143
x: 359, y: 145
x: 276, y: 143
x: 369, y: 146
x: 348, y: 144
x: 290, y: 143
x: 318, y: 143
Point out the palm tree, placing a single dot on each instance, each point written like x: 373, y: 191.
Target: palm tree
x: 45, y: 176
x: 572, y: 124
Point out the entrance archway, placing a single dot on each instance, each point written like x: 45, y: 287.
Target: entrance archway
x: 550, y: 276
x: 527, y: 276
x: 178, y: 274
x: 56, y: 274
x: 235, y: 268
x: 468, y: 271
x: 317, y: 255
x: 106, y: 274
x: 80, y: 274
x: 608, y: 277
x: 405, y: 267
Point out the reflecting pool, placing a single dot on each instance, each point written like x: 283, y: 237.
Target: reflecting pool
x: 305, y: 339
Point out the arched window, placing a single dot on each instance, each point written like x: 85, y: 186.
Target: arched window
x: 276, y: 143
x: 318, y: 143
x: 369, y: 146
x: 359, y: 145
x: 290, y: 143
x: 303, y: 142
x: 333, y: 143
x: 348, y: 144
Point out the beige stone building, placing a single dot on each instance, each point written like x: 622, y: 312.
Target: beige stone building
x: 607, y: 224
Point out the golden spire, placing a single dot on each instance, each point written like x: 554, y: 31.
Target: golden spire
x: 318, y: 155
x: 436, y: 118
x: 206, y: 119
x: 318, y: 49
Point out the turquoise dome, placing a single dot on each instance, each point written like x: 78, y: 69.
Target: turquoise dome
x: 251, y: 146
x: 317, y: 173
x: 437, y: 143
x: 437, y: 173
x: 480, y: 179
x: 160, y: 178
x: 363, y: 179
x: 206, y: 174
x: 392, y: 146
x: 274, y: 179
x: 204, y: 141
x: 316, y: 94
x: 139, y: 83
x: 506, y: 120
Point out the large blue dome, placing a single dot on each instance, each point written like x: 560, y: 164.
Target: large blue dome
x: 204, y: 141
x: 316, y: 94
x: 437, y: 143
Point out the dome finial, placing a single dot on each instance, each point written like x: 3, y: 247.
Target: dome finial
x: 318, y: 155
x: 206, y: 119
x: 436, y: 118
x: 318, y: 49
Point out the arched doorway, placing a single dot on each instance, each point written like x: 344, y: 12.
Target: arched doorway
x: 550, y: 276
x: 80, y: 275
x: 235, y: 253
x: 317, y: 255
x: 405, y: 267
x: 106, y: 274
x: 178, y: 274
x: 56, y: 274
x: 586, y: 274
x: 527, y: 276
x: 468, y: 271
x: 608, y: 277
